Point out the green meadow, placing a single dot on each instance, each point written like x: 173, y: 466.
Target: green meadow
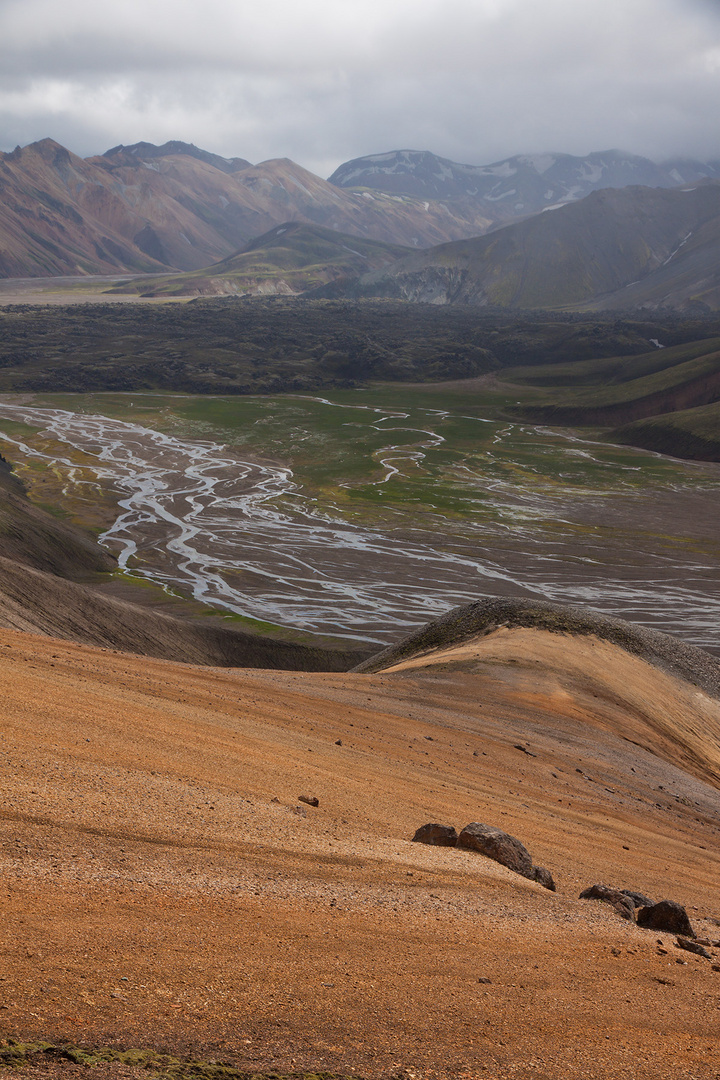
x: 402, y: 455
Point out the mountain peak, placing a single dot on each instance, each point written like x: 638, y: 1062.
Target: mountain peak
x: 146, y: 151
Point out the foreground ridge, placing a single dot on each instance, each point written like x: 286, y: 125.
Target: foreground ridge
x: 482, y: 617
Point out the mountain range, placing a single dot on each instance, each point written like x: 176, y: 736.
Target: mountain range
x: 518, y: 186
x: 148, y: 209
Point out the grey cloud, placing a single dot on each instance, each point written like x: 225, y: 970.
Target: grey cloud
x: 475, y: 80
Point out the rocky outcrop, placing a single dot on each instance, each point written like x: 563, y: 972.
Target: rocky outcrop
x: 639, y: 899
x: 666, y: 915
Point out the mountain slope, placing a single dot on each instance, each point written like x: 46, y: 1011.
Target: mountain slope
x: 174, y: 896
x: 564, y: 258
x: 290, y: 259
x: 57, y: 216
x: 147, y: 208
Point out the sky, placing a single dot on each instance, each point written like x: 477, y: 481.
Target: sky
x: 324, y: 81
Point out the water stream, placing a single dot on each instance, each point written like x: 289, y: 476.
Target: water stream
x: 242, y: 536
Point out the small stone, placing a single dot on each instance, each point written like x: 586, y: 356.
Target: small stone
x: 309, y: 800
x: 486, y: 981
x: 692, y: 946
x: 519, y: 746
x: 338, y: 742
x: 544, y: 878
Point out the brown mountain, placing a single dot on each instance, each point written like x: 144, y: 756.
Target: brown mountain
x: 148, y: 208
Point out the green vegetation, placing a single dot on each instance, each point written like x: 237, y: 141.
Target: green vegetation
x: 18, y: 1055
x: 690, y: 433
x: 290, y: 258
x: 394, y: 455
x: 665, y: 400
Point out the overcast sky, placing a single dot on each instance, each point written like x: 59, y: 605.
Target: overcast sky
x: 322, y: 81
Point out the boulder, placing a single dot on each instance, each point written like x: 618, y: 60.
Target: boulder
x: 505, y: 849
x: 498, y: 845
x: 617, y: 899
x: 668, y: 916
x: 438, y: 835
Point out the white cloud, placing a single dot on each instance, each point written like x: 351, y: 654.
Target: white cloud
x: 322, y: 81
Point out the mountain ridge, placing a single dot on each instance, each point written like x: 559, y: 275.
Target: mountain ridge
x: 144, y: 208
x: 517, y: 186
x: 578, y: 256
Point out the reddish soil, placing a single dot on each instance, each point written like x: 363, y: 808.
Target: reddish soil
x: 162, y: 886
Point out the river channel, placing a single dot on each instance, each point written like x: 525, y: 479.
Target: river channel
x: 244, y: 535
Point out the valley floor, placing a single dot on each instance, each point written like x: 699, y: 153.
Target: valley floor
x: 164, y: 888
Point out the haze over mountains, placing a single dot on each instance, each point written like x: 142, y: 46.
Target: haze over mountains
x: 146, y: 208
x: 520, y: 185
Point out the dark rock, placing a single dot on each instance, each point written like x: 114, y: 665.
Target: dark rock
x: 505, y: 849
x: 692, y: 946
x: 668, y: 916
x: 544, y: 877
x: 310, y: 800
x: 338, y: 742
x: 617, y: 900
x: 639, y: 899
x: 439, y: 835
x: 524, y: 749
x: 498, y: 845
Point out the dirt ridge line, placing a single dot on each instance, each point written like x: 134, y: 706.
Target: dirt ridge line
x: 483, y: 617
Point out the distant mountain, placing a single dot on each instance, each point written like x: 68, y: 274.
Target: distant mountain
x: 148, y: 152
x: 615, y: 248
x: 145, y: 208
x: 518, y: 186
x: 148, y: 209
x: 289, y: 259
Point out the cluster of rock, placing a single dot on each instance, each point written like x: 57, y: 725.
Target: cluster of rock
x: 666, y: 915
x: 491, y: 842
x: 636, y: 907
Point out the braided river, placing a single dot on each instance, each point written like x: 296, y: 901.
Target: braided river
x: 221, y: 520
